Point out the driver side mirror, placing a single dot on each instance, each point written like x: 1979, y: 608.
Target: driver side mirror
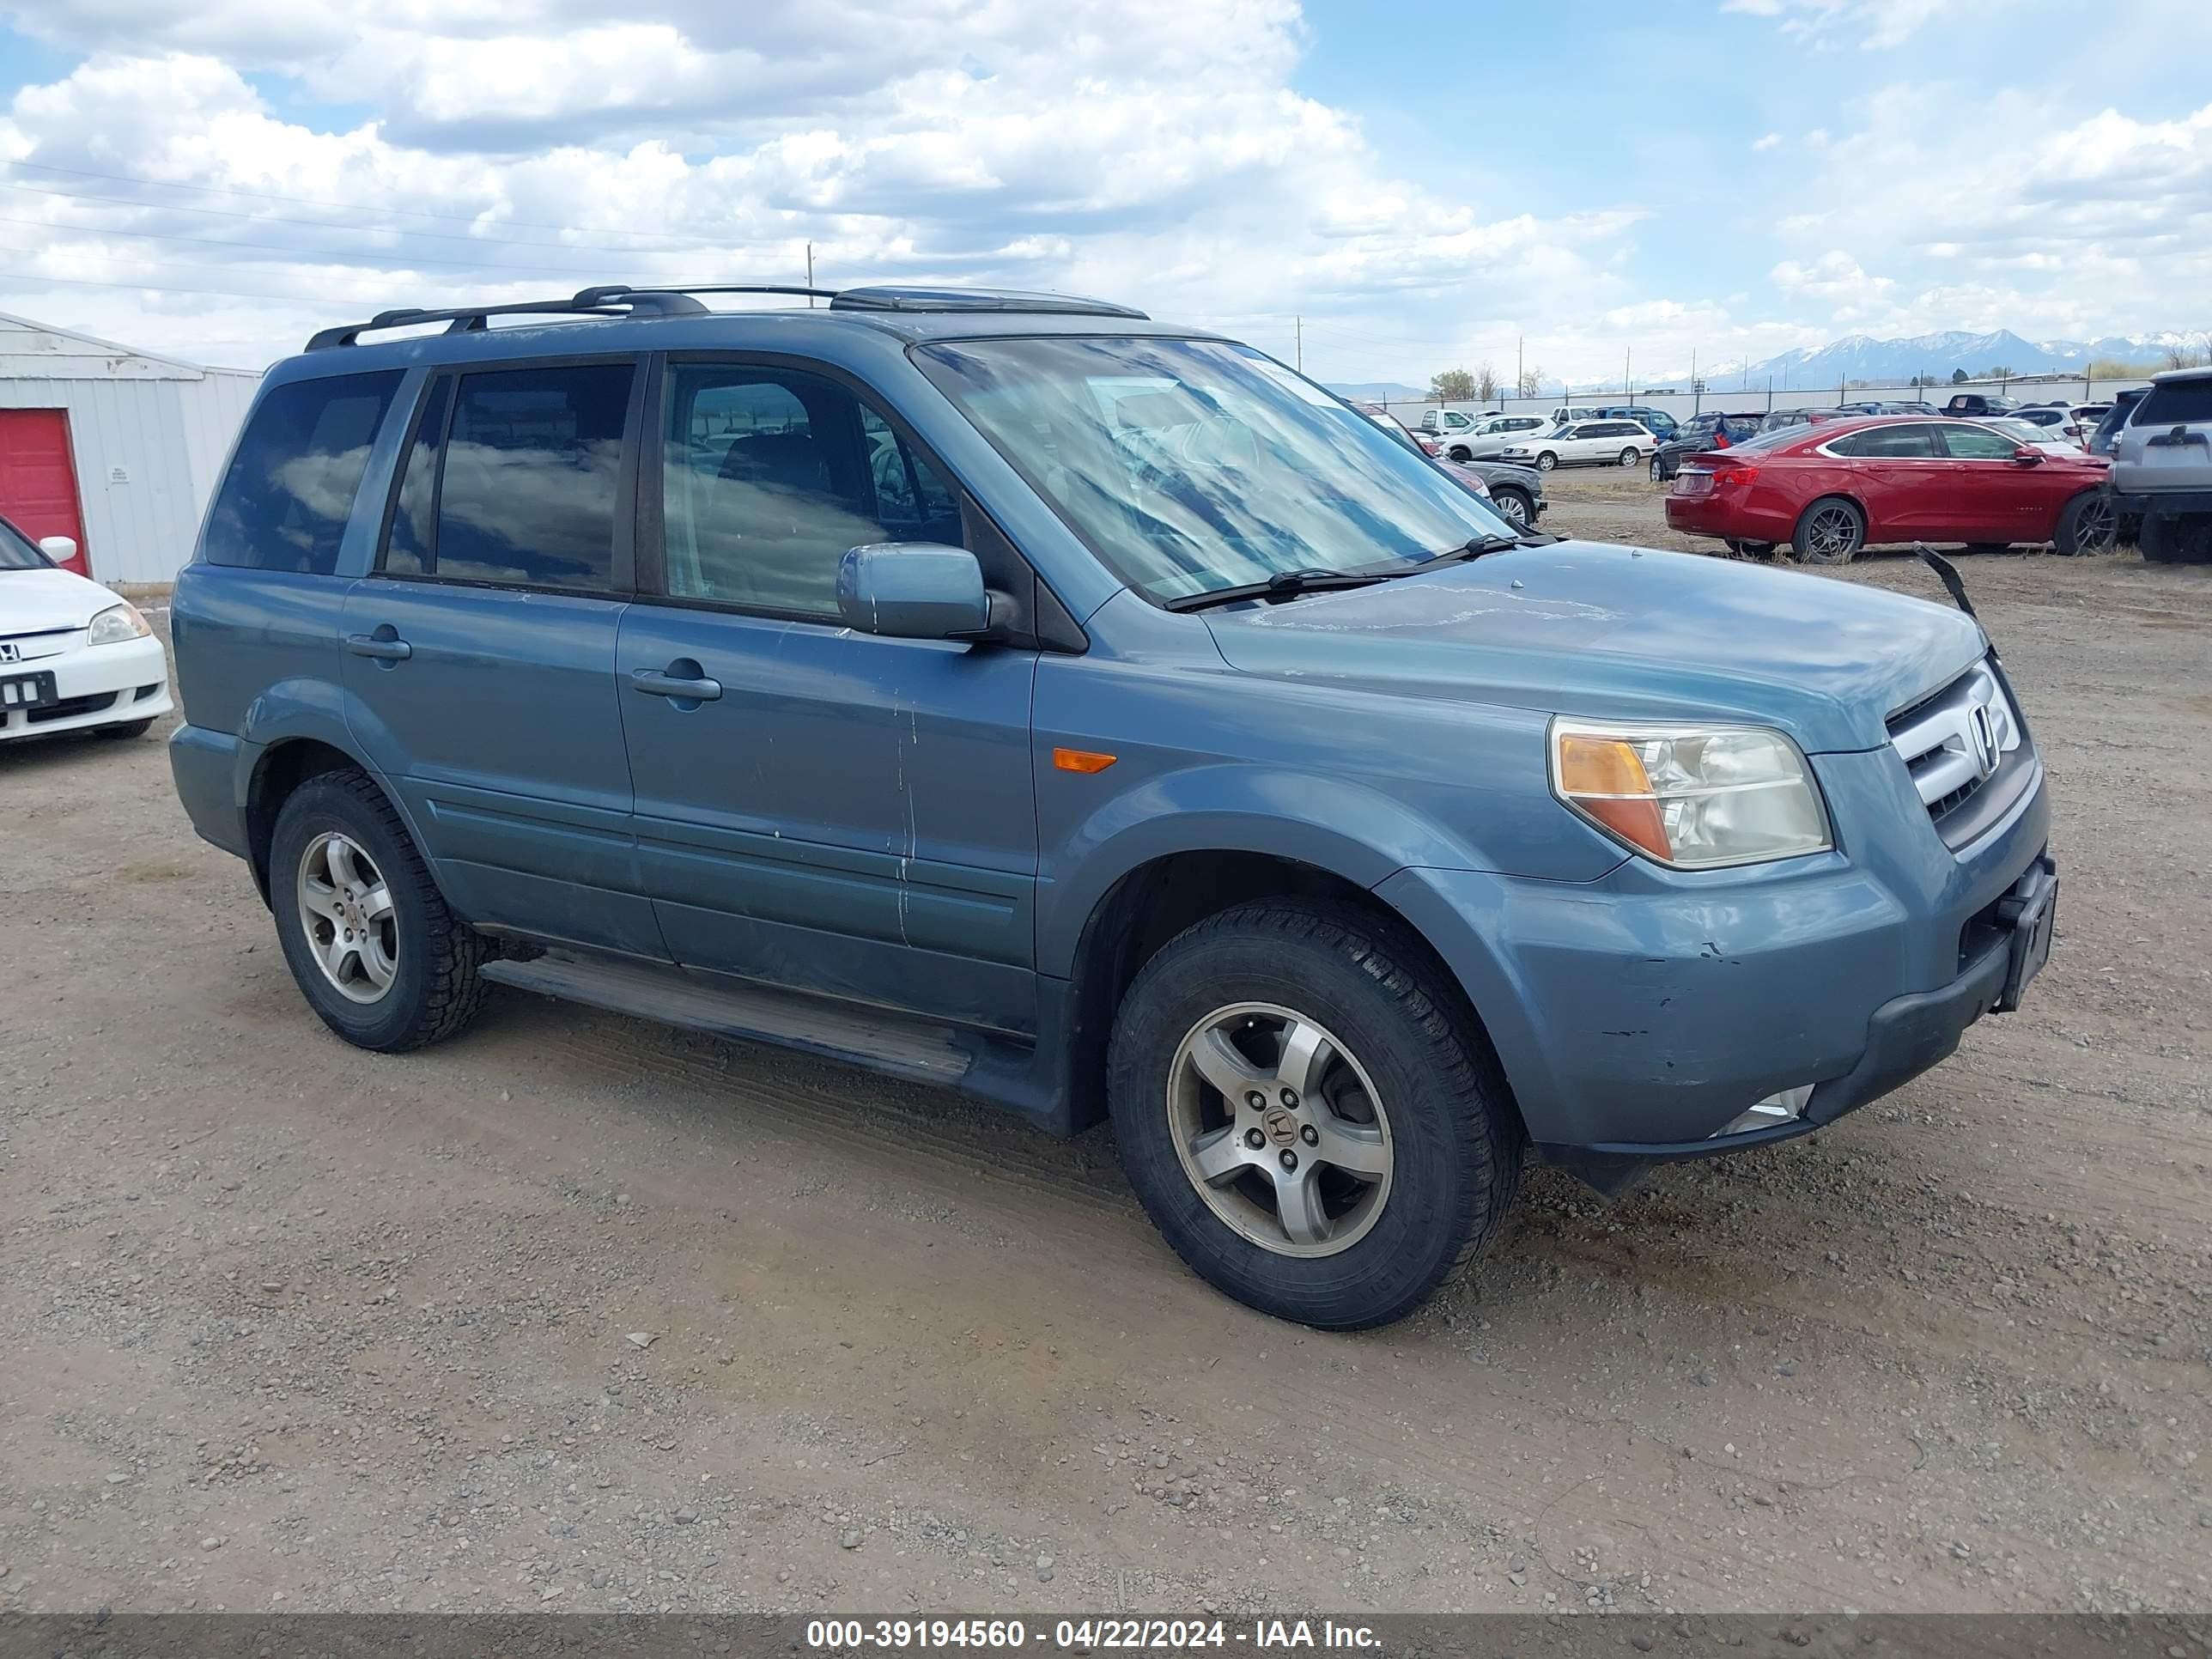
x: 913, y: 591
x: 2027, y: 455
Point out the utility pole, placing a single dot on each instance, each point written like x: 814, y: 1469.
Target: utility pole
x: 1298, y: 349
x: 1697, y: 391
x: 1627, y: 380
x: 1519, y: 340
x: 810, y: 273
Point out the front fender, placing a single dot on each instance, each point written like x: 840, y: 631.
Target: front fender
x: 1352, y: 831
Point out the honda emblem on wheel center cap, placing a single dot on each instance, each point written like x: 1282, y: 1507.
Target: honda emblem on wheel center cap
x: 1282, y: 1127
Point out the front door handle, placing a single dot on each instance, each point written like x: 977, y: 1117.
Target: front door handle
x: 384, y: 648
x: 693, y: 687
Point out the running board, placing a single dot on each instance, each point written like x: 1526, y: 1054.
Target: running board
x: 880, y: 1039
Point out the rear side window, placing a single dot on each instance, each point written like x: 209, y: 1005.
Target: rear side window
x: 2178, y: 403
x: 285, y: 502
x: 409, y: 550
x: 1897, y: 442
x: 526, y: 489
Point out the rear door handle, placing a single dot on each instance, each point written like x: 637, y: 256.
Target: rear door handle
x: 655, y: 683
x: 384, y: 650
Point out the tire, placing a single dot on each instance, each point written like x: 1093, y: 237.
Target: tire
x: 2176, y: 541
x: 418, y: 982
x: 1443, y: 1149
x: 1461, y: 453
x: 1831, y: 530
x: 1515, y: 505
x: 1545, y: 460
x: 1659, y: 474
x: 127, y: 730
x: 2088, y: 525
x: 1629, y: 456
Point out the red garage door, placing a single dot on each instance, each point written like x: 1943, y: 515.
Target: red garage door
x: 38, y: 480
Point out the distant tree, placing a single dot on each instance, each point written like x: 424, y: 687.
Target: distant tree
x: 1532, y: 379
x: 2188, y: 356
x: 1485, y: 383
x: 2111, y: 368
x: 1454, y: 386
x: 1997, y: 372
x: 1958, y: 377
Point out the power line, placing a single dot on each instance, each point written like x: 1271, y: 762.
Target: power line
x: 382, y: 230
x: 348, y: 207
x: 305, y: 255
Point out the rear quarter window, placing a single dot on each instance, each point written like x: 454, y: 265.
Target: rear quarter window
x: 2178, y: 403
x: 285, y: 502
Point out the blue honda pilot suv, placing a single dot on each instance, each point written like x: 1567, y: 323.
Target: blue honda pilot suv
x: 1009, y: 692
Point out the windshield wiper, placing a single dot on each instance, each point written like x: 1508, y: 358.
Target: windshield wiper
x: 1476, y: 547
x: 1283, y: 585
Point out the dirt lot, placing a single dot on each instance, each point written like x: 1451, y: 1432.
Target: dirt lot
x: 581, y: 1312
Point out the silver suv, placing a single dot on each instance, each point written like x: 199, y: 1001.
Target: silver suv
x: 2162, y: 467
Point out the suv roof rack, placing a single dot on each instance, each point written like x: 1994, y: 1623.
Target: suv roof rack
x: 892, y: 297
x: 619, y: 299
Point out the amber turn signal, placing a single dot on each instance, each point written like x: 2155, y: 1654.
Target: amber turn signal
x: 1081, y: 760
x: 1604, y: 778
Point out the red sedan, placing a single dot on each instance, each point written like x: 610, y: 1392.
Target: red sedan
x: 1830, y: 489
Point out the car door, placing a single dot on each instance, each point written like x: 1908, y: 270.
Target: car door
x: 480, y: 652
x: 818, y: 807
x: 1989, y: 495
x: 1903, y: 476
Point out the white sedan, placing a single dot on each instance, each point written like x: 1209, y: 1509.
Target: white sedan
x: 1491, y: 436
x: 1584, y: 443
x: 73, y: 656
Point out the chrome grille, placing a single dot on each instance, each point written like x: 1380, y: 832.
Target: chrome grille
x: 1960, y: 743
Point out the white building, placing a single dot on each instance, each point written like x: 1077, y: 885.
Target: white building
x: 115, y: 448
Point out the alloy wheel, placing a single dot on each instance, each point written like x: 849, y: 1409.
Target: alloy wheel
x: 1514, y: 510
x: 1279, y: 1128
x: 2094, y: 529
x: 346, y: 912
x: 1831, y: 535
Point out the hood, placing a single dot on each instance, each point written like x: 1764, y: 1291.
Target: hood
x: 40, y: 601
x: 1610, y: 633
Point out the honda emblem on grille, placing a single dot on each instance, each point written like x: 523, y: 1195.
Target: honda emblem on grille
x: 1982, y: 732
x: 10, y: 652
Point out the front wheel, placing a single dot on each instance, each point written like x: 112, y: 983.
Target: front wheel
x: 1829, y: 532
x: 1514, y: 506
x: 1629, y: 456
x: 2088, y: 525
x: 1659, y: 474
x: 1306, y: 1115
x: 1461, y: 453
x: 364, y: 929
x: 1545, y: 461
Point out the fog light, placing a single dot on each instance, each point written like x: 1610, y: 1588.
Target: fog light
x: 1786, y: 1106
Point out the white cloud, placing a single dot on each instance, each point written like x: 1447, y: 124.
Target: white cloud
x: 1873, y: 24
x: 1149, y: 149
x: 1767, y: 140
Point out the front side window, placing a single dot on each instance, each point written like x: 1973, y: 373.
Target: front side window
x: 526, y: 493
x: 770, y: 475
x: 285, y: 502
x: 18, y: 551
x: 1192, y: 465
x: 1978, y: 443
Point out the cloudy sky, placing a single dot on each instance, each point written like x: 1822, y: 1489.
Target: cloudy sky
x: 1423, y: 182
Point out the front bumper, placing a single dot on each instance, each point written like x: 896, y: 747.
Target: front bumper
x: 1638, y: 1015
x: 94, y: 685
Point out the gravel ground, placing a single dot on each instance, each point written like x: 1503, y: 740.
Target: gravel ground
x: 579, y: 1312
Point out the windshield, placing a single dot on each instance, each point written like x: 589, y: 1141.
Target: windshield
x: 18, y: 551
x: 1191, y: 465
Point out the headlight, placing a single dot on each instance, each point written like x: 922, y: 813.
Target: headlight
x: 115, y: 624
x: 1693, y: 797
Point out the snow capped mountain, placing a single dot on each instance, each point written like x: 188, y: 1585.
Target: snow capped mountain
x: 1862, y: 357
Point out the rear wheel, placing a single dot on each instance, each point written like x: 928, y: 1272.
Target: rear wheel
x: 1306, y: 1117
x: 1461, y: 453
x: 1514, y: 504
x: 364, y: 929
x: 2176, y: 541
x: 1829, y: 532
x: 1629, y: 456
x: 2088, y: 525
